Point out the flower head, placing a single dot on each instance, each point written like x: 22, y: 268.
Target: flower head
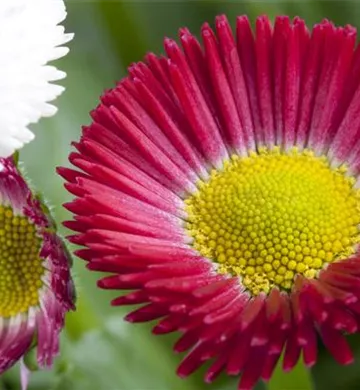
x: 220, y: 185
x: 30, y: 37
x: 36, y: 289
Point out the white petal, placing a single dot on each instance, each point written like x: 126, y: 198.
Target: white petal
x: 52, y: 73
x: 30, y: 37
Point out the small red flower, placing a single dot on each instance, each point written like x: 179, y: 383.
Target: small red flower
x: 36, y: 288
x: 219, y: 185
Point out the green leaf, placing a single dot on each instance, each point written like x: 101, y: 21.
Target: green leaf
x: 119, y: 356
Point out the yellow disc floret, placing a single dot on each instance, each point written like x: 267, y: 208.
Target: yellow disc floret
x: 20, y: 265
x: 272, y: 215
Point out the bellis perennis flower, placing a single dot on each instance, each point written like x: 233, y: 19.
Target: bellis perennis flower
x: 36, y: 288
x: 220, y: 185
x: 30, y: 37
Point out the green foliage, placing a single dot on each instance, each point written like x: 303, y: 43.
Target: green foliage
x: 99, y: 350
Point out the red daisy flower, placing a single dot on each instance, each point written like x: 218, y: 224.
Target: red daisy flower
x: 36, y: 288
x: 219, y: 184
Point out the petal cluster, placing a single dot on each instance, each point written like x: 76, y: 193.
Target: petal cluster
x: 41, y: 323
x: 166, y: 126
x: 30, y: 37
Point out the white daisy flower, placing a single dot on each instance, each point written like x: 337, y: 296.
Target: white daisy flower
x: 30, y: 38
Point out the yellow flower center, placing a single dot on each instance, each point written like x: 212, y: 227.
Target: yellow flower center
x: 274, y: 214
x: 20, y: 265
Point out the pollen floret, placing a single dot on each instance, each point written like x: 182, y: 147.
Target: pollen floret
x: 272, y: 215
x: 21, y: 266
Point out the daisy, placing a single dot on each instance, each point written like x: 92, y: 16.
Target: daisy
x: 30, y: 37
x: 36, y: 288
x: 219, y: 183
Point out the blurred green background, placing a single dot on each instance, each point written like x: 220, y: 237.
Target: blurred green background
x: 99, y: 350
